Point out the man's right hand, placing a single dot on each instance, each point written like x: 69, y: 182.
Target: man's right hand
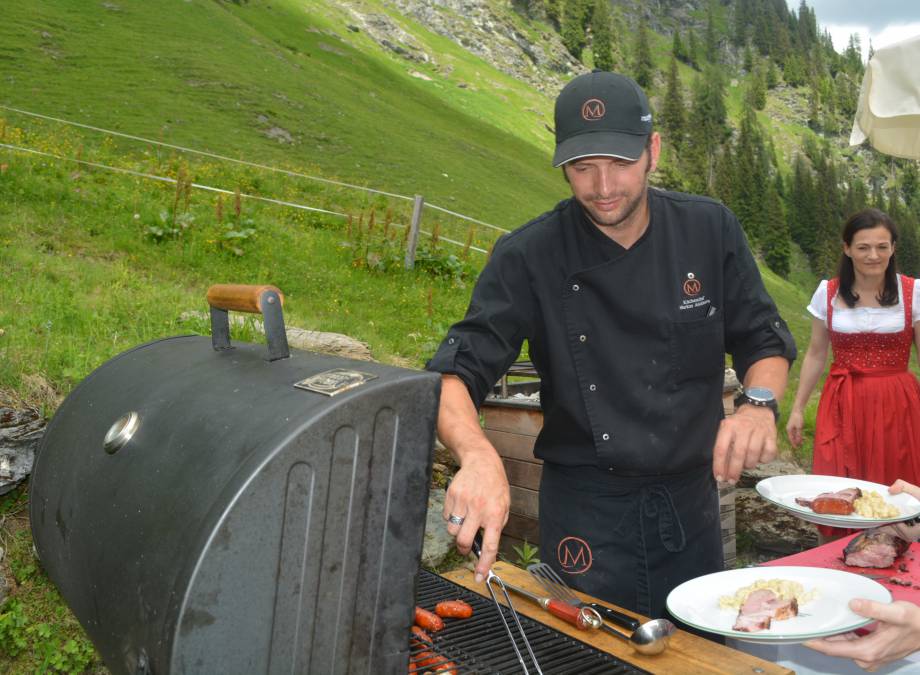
x: 479, y: 493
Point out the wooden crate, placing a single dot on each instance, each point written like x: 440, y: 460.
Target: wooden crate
x: 512, y: 426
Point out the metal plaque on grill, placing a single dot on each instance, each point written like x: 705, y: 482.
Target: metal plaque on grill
x: 335, y: 381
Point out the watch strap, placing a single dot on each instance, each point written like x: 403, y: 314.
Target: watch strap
x: 743, y: 399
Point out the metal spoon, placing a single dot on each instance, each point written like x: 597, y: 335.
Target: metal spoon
x: 650, y: 638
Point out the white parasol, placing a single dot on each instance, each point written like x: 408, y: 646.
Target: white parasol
x: 888, y: 112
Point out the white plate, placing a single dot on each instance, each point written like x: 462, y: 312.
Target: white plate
x: 696, y: 602
x: 782, y: 491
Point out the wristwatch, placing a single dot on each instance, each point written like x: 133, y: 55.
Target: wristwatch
x: 759, y: 396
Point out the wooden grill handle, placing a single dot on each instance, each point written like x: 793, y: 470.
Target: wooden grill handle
x: 240, y: 297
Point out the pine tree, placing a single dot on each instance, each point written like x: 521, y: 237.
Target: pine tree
x: 803, y: 209
x: 693, y: 50
x: 856, y: 197
x: 712, y: 38
x: 554, y: 11
x: 743, y: 20
x: 724, y: 182
x: 908, y: 247
x: 573, y: 30
x: 780, y: 40
x: 908, y: 251
x: 807, y: 26
x: 853, y: 55
x: 909, y: 229
x: 777, y: 252
x: 878, y: 197
x: 751, y: 178
x: 814, y: 107
x: 756, y: 95
x: 794, y: 71
x: 678, y: 50
x: 772, y: 74
x: 672, y: 112
x: 762, y: 36
x: 828, y: 214
x: 602, y: 35
x: 643, y: 67
x: 708, y: 122
x: 748, y: 59
x: 910, y: 183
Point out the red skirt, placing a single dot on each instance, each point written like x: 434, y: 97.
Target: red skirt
x: 868, y: 427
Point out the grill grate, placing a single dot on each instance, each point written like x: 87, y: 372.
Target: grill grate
x: 481, y: 645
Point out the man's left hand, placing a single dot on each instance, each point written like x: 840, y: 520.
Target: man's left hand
x: 745, y: 439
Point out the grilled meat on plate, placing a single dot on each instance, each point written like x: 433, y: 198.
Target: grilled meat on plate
x: 761, y: 608
x: 876, y: 547
x: 838, y: 503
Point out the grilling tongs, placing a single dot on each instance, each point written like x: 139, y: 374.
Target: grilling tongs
x: 493, y: 578
x: 584, y: 618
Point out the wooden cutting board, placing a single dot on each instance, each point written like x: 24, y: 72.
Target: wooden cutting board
x: 830, y: 556
x: 686, y: 654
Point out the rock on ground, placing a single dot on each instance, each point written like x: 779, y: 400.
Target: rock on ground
x: 771, y: 529
x: 20, y: 433
x: 438, y: 543
x: 476, y: 26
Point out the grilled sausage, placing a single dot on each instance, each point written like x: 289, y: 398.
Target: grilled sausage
x: 454, y: 609
x: 420, y: 635
x: 426, y: 658
x: 428, y: 620
x: 450, y: 667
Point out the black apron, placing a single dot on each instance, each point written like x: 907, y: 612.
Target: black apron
x: 629, y: 540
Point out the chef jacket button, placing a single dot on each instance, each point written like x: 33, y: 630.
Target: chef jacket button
x: 576, y: 287
x: 582, y: 338
x: 606, y: 437
x: 776, y: 324
x: 450, y: 341
x: 592, y: 387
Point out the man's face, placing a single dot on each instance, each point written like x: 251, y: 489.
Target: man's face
x: 612, y: 190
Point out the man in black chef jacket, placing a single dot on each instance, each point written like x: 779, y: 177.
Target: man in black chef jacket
x: 629, y: 298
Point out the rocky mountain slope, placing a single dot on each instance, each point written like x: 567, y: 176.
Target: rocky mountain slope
x: 494, y: 32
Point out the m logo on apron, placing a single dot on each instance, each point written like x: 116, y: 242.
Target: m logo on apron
x: 574, y: 555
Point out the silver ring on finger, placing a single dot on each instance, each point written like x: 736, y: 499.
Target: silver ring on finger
x: 455, y: 520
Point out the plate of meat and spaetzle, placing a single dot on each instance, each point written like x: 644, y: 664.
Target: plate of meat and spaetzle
x: 838, y: 501
x: 777, y: 605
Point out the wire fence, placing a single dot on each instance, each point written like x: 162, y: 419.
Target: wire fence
x: 415, y: 223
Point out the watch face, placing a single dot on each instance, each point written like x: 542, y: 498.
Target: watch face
x: 759, y: 394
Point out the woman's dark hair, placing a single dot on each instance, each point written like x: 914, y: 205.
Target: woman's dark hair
x: 866, y: 220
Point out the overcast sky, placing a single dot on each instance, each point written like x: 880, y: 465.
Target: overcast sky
x: 884, y: 21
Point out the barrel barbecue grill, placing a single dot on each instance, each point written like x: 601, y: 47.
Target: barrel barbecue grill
x: 213, y: 508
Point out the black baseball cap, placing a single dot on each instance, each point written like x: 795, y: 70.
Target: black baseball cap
x: 601, y: 113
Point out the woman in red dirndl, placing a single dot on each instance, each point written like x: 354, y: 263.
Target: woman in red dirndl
x: 868, y: 423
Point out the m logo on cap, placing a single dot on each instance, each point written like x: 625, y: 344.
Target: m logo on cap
x: 593, y: 109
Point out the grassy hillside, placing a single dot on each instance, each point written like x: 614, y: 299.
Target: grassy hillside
x: 220, y: 76
x: 96, y: 262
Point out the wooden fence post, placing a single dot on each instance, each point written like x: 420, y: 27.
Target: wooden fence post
x: 413, y: 231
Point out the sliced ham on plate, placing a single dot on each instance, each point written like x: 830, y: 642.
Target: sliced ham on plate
x: 761, y: 608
